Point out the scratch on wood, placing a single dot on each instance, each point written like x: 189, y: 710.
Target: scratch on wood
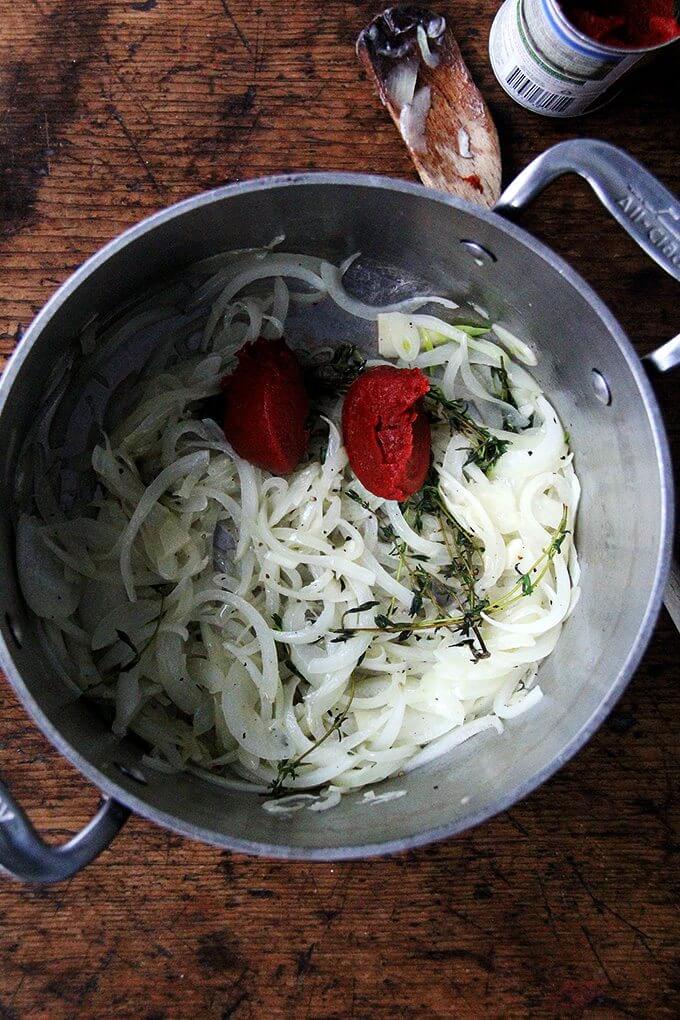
x: 92, y: 983
x: 17, y: 990
x: 517, y: 825
x: 233, y: 1006
x: 548, y: 908
x: 113, y: 111
x: 242, y: 151
x: 601, y: 905
x: 48, y: 150
x: 597, y: 955
x: 491, y: 971
x: 61, y: 894
x: 304, y: 960
x: 354, y: 996
x: 498, y: 873
x: 126, y: 87
x: 462, y: 916
x: 259, y: 44
x: 237, y: 28
x: 178, y: 69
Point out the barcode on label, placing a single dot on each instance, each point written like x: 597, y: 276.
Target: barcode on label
x: 534, y: 94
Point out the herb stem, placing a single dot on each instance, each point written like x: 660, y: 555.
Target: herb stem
x: 288, y: 769
x: 486, y: 449
x: 472, y: 617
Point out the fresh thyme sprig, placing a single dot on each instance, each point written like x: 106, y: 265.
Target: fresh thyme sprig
x: 347, y: 363
x: 354, y: 495
x: 335, y: 374
x: 499, y: 374
x: 465, y: 564
x: 463, y: 569
x: 471, y: 616
x: 485, y: 448
x: 287, y: 770
x: 137, y: 652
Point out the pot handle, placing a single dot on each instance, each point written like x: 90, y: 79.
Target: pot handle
x: 24, y: 855
x: 641, y: 204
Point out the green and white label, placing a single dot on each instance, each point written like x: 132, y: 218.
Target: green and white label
x: 553, y: 82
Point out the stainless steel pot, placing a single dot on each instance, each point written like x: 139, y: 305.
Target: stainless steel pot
x: 599, y: 387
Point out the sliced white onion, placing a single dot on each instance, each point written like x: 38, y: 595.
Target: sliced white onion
x: 514, y: 345
x: 464, y: 144
x: 397, y: 336
x: 413, y: 120
x: 519, y: 706
x: 400, y: 83
x: 416, y: 542
x: 190, y: 658
x: 169, y: 475
x: 430, y: 58
x: 457, y: 736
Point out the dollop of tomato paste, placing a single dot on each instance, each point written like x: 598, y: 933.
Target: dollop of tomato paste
x: 626, y: 23
x: 266, y: 406
x: 386, y: 432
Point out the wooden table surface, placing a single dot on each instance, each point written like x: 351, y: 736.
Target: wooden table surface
x: 563, y: 906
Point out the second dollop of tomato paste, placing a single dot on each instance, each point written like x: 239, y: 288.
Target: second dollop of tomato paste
x: 266, y: 407
x: 386, y: 431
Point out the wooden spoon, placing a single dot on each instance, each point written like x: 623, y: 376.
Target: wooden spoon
x: 421, y: 77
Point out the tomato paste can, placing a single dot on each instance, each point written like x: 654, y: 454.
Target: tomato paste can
x: 549, y: 66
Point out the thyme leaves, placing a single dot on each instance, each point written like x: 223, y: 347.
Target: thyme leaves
x: 485, y: 448
x: 499, y: 374
x: 354, y: 495
x: 289, y: 769
x: 336, y: 374
x: 359, y: 609
x: 473, y: 608
x: 138, y: 653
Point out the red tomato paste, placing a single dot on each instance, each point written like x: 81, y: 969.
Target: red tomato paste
x: 266, y: 407
x: 634, y: 24
x: 386, y: 432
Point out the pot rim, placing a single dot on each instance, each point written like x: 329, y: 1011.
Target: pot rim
x: 638, y: 644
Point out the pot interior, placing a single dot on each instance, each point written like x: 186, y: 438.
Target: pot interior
x: 404, y: 234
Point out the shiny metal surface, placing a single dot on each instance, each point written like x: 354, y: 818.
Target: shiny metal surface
x: 645, y: 209
x: 648, y: 211
x: 667, y: 356
x: 621, y: 456
x: 24, y: 856
x: 663, y: 359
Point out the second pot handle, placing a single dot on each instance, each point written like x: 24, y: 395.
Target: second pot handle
x: 25, y: 856
x: 641, y: 204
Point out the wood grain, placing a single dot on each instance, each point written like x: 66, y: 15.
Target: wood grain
x: 564, y: 906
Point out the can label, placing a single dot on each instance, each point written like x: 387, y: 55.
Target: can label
x: 554, y: 80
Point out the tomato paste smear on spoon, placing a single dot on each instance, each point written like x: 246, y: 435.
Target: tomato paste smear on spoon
x: 386, y: 431
x: 266, y: 407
